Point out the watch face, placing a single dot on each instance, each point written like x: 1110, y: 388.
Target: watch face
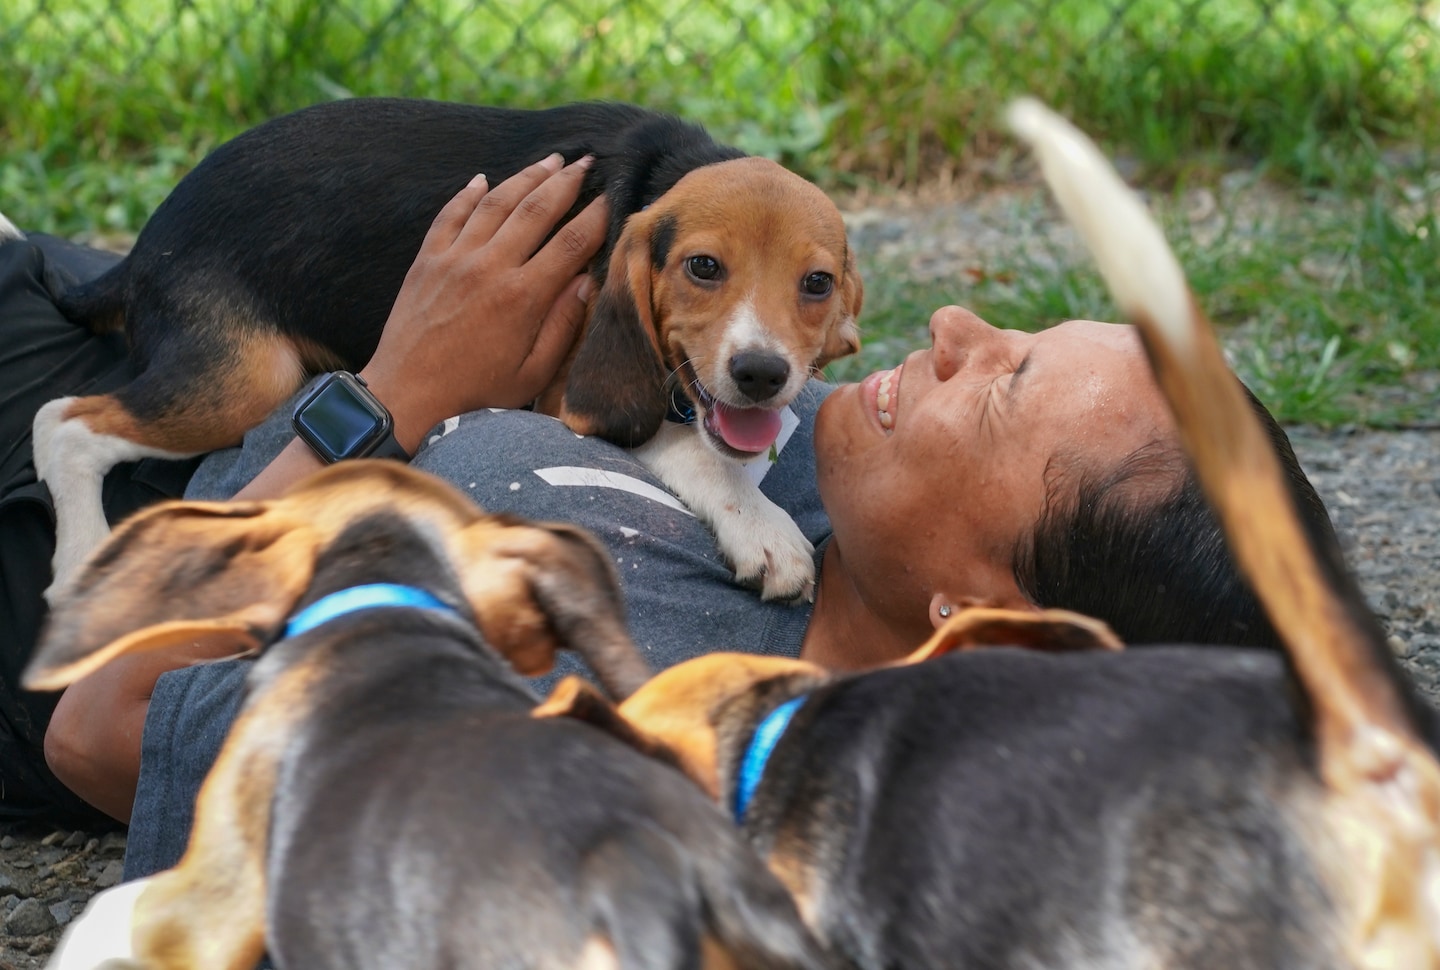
x: 338, y: 422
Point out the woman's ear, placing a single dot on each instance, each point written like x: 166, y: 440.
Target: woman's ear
x: 616, y: 386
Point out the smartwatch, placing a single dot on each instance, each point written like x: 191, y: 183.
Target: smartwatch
x: 342, y: 419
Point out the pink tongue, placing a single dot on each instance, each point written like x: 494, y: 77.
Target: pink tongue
x: 747, y: 429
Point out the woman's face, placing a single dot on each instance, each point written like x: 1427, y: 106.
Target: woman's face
x: 933, y: 471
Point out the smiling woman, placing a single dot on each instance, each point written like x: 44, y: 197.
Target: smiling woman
x: 930, y: 490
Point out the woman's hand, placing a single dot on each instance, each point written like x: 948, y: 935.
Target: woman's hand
x: 483, y: 318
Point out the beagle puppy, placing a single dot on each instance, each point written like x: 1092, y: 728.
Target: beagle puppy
x: 384, y: 798
x: 724, y: 283
x: 1173, y: 806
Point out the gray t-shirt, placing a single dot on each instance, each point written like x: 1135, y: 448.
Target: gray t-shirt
x: 681, y: 597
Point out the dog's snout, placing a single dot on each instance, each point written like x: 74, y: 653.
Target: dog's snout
x: 759, y: 376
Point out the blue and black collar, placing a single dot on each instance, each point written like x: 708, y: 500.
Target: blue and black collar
x: 355, y: 598
x: 762, y: 743
x: 681, y: 409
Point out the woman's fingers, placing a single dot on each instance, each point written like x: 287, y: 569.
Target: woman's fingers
x: 530, y: 218
x: 453, y: 216
x: 573, y: 245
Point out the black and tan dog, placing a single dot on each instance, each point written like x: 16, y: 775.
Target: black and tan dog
x: 384, y: 798
x: 724, y: 278
x: 1165, y: 807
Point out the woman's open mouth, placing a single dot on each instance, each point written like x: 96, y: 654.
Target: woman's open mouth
x: 740, y: 430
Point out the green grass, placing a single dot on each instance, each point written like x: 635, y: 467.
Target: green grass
x: 108, y: 102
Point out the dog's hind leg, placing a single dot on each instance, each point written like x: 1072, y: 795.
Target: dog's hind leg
x: 184, y: 403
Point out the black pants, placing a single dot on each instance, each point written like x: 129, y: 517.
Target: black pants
x: 44, y: 356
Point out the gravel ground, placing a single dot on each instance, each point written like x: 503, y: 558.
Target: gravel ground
x: 1383, y: 490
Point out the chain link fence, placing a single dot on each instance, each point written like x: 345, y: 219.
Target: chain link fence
x: 839, y: 89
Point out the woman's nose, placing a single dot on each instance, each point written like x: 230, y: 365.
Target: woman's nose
x: 957, y: 337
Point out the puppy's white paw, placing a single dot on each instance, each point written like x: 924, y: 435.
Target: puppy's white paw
x: 101, y: 938
x: 764, y: 544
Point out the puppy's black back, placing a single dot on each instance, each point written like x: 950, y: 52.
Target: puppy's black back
x: 466, y: 833
x: 307, y: 224
x: 1056, y: 811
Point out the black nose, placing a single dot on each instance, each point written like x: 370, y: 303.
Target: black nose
x: 759, y: 376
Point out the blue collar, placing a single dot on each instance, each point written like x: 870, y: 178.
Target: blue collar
x: 372, y: 595
x: 681, y: 409
x: 752, y: 766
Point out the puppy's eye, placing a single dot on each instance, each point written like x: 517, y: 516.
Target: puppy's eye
x: 703, y: 268
x: 818, y: 284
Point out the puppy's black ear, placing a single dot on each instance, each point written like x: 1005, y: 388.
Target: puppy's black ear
x: 616, y: 386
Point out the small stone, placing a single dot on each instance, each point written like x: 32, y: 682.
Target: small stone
x: 8, y: 903
x: 111, y: 875
x: 7, y: 842
x: 1399, y: 647
x: 62, y: 912
x: 91, y: 846
x: 23, y: 864
x: 75, y: 841
x: 54, y: 837
x: 113, y: 843
x: 30, y: 918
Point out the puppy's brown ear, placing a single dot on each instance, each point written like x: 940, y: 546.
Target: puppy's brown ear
x: 537, y: 588
x: 844, y: 337
x: 177, y: 572
x: 579, y: 700
x: 616, y: 385
x: 1049, y: 631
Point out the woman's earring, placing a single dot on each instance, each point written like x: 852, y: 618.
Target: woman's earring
x: 944, y: 611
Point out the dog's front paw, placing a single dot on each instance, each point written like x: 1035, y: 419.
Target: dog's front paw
x: 767, y: 549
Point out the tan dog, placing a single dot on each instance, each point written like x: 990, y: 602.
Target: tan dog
x: 384, y: 798
x: 724, y: 280
x: 1171, y: 806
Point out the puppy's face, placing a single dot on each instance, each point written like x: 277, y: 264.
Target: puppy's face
x: 752, y: 289
x: 735, y: 285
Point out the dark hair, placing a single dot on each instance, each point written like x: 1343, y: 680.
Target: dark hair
x: 1156, y: 570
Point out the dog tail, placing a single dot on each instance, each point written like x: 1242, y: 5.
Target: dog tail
x: 98, y: 304
x: 665, y: 907
x: 8, y: 230
x: 1370, y: 732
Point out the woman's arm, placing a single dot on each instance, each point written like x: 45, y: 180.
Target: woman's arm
x: 479, y: 322
x: 484, y: 319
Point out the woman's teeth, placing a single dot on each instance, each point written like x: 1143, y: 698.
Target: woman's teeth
x: 882, y: 399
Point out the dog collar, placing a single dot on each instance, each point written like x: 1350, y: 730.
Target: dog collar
x: 366, y: 597
x: 682, y: 409
x: 752, y: 766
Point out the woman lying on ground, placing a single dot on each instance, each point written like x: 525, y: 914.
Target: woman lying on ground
x: 1000, y: 467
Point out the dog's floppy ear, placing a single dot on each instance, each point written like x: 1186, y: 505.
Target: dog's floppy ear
x: 579, y: 700
x: 616, y: 384
x: 173, y: 573
x: 844, y: 337
x: 539, y: 587
x: 1049, y: 631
